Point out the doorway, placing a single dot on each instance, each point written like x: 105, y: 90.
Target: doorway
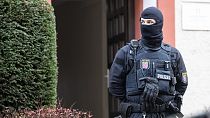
x: 81, y: 40
x: 89, y: 33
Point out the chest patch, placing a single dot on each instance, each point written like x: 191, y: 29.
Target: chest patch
x: 145, y: 63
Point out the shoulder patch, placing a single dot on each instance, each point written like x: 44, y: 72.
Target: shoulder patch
x: 184, y: 77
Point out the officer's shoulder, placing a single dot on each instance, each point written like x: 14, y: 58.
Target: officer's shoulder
x: 174, y: 51
x: 122, y: 51
x: 125, y: 48
x: 168, y: 47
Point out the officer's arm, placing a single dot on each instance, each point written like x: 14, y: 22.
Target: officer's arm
x: 182, y: 79
x: 117, y: 75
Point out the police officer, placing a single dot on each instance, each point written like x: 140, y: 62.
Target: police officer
x: 148, y: 76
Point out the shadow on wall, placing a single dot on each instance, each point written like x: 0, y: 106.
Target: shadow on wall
x: 203, y: 115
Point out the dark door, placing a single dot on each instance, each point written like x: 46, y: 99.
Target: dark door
x: 80, y: 33
x: 120, y: 30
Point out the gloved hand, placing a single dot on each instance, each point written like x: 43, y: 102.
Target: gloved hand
x: 178, y: 100
x: 151, y: 89
x: 173, y: 107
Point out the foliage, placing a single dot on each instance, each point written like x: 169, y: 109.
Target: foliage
x: 28, y: 62
x: 58, y: 112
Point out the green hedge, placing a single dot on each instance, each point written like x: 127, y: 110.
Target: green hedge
x: 28, y: 61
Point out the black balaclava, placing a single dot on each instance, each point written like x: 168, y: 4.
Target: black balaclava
x: 152, y: 35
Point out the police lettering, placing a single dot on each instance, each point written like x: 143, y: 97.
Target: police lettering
x: 161, y: 76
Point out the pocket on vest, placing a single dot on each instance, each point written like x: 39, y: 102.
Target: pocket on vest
x: 131, y: 84
x: 164, y: 78
x: 140, y: 80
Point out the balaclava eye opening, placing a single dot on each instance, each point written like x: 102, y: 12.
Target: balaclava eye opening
x: 152, y: 35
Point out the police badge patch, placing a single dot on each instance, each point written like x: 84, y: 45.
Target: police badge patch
x: 184, y: 77
x: 145, y: 63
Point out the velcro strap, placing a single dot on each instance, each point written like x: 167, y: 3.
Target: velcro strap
x: 160, y: 62
x: 160, y: 108
x: 138, y: 108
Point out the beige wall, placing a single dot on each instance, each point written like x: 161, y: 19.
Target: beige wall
x: 194, y: 46
x: 81, y: 27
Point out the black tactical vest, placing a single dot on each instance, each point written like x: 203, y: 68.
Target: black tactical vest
x: 144, y: 62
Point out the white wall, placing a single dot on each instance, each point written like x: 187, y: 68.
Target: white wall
x: 149, y: 3
x: 194, y: 44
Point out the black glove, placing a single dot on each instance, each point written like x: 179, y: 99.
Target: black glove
x: 178, y: 100
x: 173, y: 107
x: 151, y: 90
